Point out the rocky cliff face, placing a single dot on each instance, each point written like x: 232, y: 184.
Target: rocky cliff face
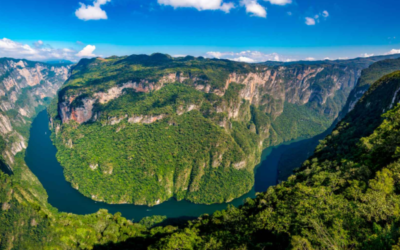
x: 131, y: 102
x: 266, y: 87
x: 24, y: 87
x: 369, y: 76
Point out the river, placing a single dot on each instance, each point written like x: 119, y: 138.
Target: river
x: 41, y: 159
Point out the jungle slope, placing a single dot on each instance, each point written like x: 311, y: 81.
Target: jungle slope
x: 27, y: 220
x: 293, y: 159
x: 346, y: 196
x: 142, y: 129
x: 316, y: 207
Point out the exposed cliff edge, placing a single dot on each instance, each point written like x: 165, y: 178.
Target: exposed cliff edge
x: 117, y: 113
x: 345, y: 196
x: 25, y: 86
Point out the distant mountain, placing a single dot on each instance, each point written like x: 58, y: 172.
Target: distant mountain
x: 64, y: 62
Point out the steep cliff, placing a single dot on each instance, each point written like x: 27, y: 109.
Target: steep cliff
x: 25, y: 87
x: 368, y: 77
x: 346, y: 196
x: 156, y: 127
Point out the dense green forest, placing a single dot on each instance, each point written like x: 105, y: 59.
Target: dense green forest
x: 143, y: 129
x: 187, y: 156
x: 346, y: 196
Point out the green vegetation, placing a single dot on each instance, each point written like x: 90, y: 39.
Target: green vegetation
x: 187, y: 156
x: 298, y: 122
x: 346, y: 196
x: 163, y: 127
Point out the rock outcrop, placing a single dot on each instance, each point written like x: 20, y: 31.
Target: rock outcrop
x: 24, y: 86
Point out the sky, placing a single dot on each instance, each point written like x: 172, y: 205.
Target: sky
x: 241, y: 30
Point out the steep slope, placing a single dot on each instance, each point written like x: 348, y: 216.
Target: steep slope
x: 25, y: 87
x: 27, y: 220
x: 329, y: 204
x: 156, y: 127
x: 293, y: 159
x: 368, y: 77
x: 346, y: 196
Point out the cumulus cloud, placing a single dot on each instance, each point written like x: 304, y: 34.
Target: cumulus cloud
x: 310, y: 59
x: 393, y: 52
x: 40, y: 52
x: 92, y: 12
x: 226, y: 7
x: 247, y: 56
x: 366, y: 55
x: 243, y: 59
x: 87, y: 51
x: 253, y: 7
x: 279, y: 2
x: 38, y: 44
x: 317, y: 18
x: 310, y: 21
x: 199, y: 4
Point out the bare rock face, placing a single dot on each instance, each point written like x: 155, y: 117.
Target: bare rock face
x: 24, y: 86
x: 271, y: 88
x: 5, y: 124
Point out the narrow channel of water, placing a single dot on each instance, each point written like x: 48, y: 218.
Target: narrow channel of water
x: 41, y: 159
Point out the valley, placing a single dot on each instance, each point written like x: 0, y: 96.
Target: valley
x: 24, y: 199
x: 143, y: 129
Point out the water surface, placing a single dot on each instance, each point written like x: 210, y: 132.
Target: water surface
x: 41, y: 159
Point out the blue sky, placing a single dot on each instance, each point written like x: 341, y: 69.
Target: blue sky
x: 247, y: 30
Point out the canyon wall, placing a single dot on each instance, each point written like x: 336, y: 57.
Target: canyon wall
x: 25, y: 86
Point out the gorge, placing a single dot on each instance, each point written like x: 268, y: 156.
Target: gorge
x: 23, y: 197
x: 156, y: 127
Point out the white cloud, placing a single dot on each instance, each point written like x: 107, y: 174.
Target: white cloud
x: 9, y: 48
x: 226, y: 7
x: 279, y: 2
x: 310, y: 59
x: 393, y: 52
x: 199, y: 4
x: 217, y: 54
x: 247, y: 56
x: 317, y: 18
x: 310, y: 21
x: 366, y: 55
x: 243, y: 59
x: 92, y: 12
x: 38, y: 44
x: 87, y: 51
x: 253, y: 7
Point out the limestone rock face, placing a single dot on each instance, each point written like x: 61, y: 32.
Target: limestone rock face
x: 236, y: 110
x: 24, y: 86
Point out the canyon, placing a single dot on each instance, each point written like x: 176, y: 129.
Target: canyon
x: 256, y: 105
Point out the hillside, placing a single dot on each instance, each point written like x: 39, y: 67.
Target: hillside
x: 332, y: 202
x: 346, y: 196
x: 294, y: 158
x: 156, y: 127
